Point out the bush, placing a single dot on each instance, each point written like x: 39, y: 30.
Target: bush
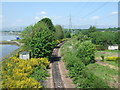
x: 18, y: 73
x: 111, y: 58
x: 89, y: 80
x: 80, y: 74
x: 86, y: 52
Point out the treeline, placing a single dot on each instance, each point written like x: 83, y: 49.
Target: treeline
x: 103, y: 39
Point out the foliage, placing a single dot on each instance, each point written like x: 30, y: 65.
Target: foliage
x: 59, y: 32
x: 16, y: 73
x: 47, y: 22
x: 90, y: 30
x: 42, y: 40
x: 26, y: 33
x: 80, y: 75
x: 103, y: 58
x: 103, y: 38
x: 86, y: 52
x: 89, y: 80
x: 100, y: 47
x: 111, y: 58
x: 104, y: 73
x: 82, y: 37
x: 67, y: 34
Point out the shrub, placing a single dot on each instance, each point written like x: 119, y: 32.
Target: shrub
x: 86, y: 52
x: 111, y: 58
x: 18, y: 73
x: 89, y: 80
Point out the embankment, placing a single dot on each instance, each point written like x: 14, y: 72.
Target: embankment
x: 10, y: 42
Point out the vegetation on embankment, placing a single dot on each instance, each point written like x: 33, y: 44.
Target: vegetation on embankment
x: 39, y: 40
x: 79, y: 56
x: 76, y: 63
x: 18, y: 73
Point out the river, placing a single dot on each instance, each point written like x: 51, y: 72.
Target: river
x: 6, y: 49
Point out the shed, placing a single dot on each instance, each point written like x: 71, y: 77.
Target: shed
x: 113, y: 47
x: 24, y: 55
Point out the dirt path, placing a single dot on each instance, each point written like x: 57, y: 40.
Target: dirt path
x: 106, y: 64
x: 58, y: 73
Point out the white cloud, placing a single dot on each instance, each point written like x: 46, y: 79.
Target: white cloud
x: 43, y: 12
x: 95, y: 17
x: 114, y: 13
x: 37, y: 18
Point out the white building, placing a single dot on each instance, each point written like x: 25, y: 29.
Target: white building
x: 113, y: 47
x: 24, y: 55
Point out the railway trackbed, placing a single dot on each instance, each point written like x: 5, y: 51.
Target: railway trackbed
x: 58, y: 72
x: 57, y: 80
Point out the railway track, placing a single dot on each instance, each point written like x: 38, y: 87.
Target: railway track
x: 57, y: 80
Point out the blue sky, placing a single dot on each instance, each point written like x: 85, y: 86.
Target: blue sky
x: 83, y: 14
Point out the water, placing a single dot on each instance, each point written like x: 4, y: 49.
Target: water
x: 5, y: 36
x: 6, y: 49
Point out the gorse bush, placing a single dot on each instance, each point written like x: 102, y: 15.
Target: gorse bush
x: 18, y: 73
x: 111, y: 58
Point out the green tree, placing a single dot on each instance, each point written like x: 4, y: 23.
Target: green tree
x: 42, y: 40
x: 90, y: 30
x: 103, y: 38
x: 67, y: 34
x: 26, y: 33
x: 86, y: 52
x: 47, y: 22
x: 59, y: 32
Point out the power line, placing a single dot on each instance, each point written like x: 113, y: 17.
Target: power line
x: 95, y: 9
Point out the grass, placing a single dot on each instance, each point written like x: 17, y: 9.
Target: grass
x: 105, y: 73
x: 106, y: 53
x: 113, y: 63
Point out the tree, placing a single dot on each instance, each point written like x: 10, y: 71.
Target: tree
x: 42, y: 40
x: 90, y: 30
x: 47, y: 22
x: 59, y: 32
x: 103, y: 38
x: 86, y: 52
x: 26, y: 33
x: 67, y: 34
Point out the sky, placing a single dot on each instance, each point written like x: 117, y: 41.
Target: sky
x: 78, y: 14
